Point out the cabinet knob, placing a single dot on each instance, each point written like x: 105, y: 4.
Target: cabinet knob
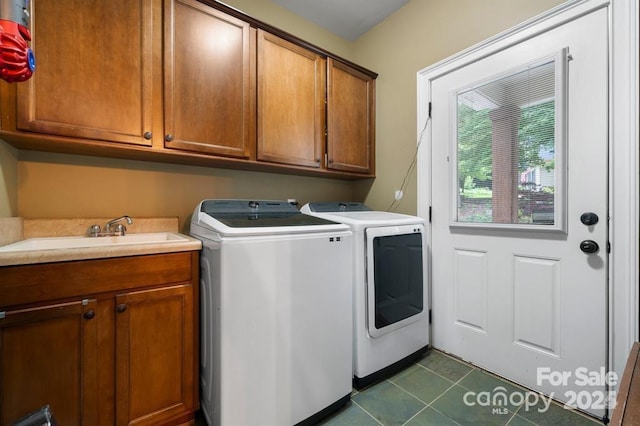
x: 121, y: 308
x: 89, y: 314
x: 148, y: 135
x: 168, y: 137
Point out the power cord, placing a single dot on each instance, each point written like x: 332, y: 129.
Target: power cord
x: 412, y: 166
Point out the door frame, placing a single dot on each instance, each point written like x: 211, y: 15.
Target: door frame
x: 623, y: 185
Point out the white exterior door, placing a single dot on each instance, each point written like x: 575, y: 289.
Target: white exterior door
x: 519, y: 273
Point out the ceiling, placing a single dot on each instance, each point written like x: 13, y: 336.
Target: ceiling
x: 348, y: 19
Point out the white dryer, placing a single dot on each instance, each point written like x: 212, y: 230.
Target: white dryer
x: 276, y: 309
x: 390, y: 292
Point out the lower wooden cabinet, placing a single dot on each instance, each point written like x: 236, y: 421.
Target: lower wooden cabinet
x: 48, y: 355
x: 154, y: 355
x: 103, y: 342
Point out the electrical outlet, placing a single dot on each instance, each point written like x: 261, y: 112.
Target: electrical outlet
x: 399, y: 194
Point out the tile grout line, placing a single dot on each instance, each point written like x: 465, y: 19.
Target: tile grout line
x: 496, y: 377
x: 409, y: 393
x: 451, y: 387
x: 442, y: 394
x: 430, y: 405
x: 453, y: 384
x: 415, y: 415
x: 368, y: 413
x: 481, y: 370
x: 446, y: 378
x: 516, y: 385
x: 444, y: 415
x: 514, y: 415
x: 521, y: 418
x: 472, y: 368
x: 427, y: 405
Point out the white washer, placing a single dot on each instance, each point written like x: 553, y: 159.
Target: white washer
x: 391, y: 309
x: 276, y: 309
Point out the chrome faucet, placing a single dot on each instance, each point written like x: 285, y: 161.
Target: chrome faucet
x: 119, y: 228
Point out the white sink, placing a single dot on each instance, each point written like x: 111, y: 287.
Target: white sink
x: 57, y: 243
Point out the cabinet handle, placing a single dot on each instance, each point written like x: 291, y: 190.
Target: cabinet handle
x: 148, y: 135
x: 121, y: 308
x: 89, y: 314
x: 168, y: 137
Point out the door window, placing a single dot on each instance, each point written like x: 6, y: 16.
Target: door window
x: 508, y: 148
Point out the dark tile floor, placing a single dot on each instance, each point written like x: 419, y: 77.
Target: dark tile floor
x: 432, y: 392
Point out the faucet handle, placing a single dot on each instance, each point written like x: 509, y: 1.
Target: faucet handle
x: 120, y: 230
x: 94, y: 230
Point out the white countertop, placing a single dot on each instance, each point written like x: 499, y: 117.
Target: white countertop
x: 42, y: 228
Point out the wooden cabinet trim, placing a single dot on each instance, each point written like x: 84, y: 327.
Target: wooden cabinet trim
x: 627, y: 407
x: 27, y: 284
x: 284, y: 35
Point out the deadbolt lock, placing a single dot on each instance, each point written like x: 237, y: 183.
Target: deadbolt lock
x: 589, y: 218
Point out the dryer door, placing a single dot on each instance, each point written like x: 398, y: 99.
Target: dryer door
x: 396, y: 277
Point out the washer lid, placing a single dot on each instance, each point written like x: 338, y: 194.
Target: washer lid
x: 258, y: 217
x: 337, y: 206
x: 360, y: 219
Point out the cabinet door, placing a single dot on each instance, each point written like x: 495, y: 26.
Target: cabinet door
x: 48, y: 356
x: 291, y: 102
x: 93, y: 77
x: 155, y: 355
x: 351, y: 119
x: 209, y: 81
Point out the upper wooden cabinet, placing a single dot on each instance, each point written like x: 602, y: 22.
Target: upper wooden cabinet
x: 291, y: 102
x: 351, y: 119
x: 209, y: 62
x: 94, y: 71
x: 189, y: 81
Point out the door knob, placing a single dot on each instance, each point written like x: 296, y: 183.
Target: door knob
x: 589, y: 246
x: 589, y: 218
